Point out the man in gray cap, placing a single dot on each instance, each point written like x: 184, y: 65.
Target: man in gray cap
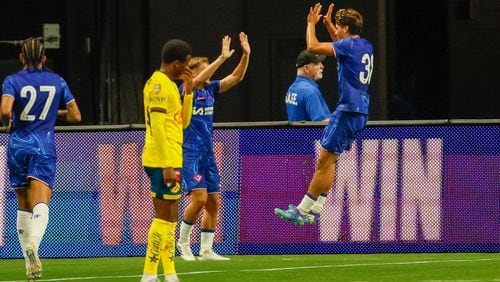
x: 304, y: 101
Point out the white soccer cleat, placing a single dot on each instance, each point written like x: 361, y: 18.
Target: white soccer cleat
x: 185, y: 252
x: 172, y: 278
x: 150, y: 278
x: 211, y: 255
x: 34, y: 267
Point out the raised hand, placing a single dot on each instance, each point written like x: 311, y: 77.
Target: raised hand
x: 327, y: 19
x: 330, y: 26
x: 226, y: 49
x: 245, y: 46
x: 187, y: 78
x: 314, y: 14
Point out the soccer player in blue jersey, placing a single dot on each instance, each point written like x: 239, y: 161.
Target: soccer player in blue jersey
x: 29, y: 110
x: 200, y: 174
x: 354, y: 57
x: 304, y: 101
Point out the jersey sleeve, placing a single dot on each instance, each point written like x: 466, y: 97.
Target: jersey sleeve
x: 66, y: 93
x: 214, y: 86
x: 341, y: 48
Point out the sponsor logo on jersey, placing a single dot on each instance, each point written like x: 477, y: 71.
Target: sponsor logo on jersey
x: 203, y: 111
x: 157, y: 99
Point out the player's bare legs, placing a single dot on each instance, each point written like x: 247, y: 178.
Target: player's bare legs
x: 166, y: 210
x: 209, y: 220
x: 198, y: 200
x: 208, y: 225
x: 324, y: 174
x: 309, y: 208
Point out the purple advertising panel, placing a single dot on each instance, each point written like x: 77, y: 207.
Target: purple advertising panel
x: 399, y: 189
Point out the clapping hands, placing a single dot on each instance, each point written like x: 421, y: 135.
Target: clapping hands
x: 245, y: 46
x: 226, y: 49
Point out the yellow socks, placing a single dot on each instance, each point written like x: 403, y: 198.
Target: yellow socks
x: 167, y: 256
x: 161, y: 246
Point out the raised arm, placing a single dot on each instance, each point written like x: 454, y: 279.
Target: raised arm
x: 205, y: 74
x: 239, y: 72
x: 187, y: 105
x: 313, y: 45
x: 330, y: 26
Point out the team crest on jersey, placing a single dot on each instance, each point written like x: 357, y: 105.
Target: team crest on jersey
x: 198, y: 178
x: 157, y: 88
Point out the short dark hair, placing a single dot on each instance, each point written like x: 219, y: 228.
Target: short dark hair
x: 175, y: 49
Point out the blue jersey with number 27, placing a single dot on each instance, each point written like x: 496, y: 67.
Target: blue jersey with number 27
x: 37, y: 96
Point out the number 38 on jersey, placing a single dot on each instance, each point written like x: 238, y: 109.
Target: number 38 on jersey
x: 366, y: 76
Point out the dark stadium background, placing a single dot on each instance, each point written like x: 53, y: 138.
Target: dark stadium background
x: 433, y: 59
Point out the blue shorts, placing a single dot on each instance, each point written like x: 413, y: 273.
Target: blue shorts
x: 200, y: 171
x: 158, y: 188
x: 25, y: 164
x: 342, y: 130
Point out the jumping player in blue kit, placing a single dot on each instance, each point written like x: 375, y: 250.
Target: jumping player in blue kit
x: 354, y: 57
x: 29, y: 110
x: 200, y: 174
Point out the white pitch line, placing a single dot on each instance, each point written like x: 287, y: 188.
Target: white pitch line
x: 112, y: 277
x: 366, y: 264
x: 267, y: 269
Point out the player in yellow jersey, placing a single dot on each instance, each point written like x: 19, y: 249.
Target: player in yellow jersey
x: 165, y: 119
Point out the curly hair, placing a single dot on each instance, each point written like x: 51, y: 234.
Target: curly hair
x: 175, y: 49
x: 351, y: 18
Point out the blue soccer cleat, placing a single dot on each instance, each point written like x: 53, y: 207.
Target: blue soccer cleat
x: 292, y: 214
x: 312, y: 218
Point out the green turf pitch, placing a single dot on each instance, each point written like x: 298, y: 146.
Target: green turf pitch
x: 307, y: 268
